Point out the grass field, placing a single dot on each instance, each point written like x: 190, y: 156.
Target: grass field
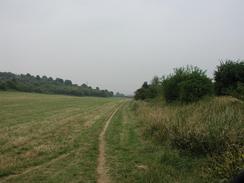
x: 50, y: 138
x: 136, y: 159
x: 207, y: 136
x: 55, y: 138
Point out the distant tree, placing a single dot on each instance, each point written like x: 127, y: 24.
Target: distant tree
x: 149, y: 90
x: 2, y: 85
x: 119, y: 95
x: 50, y: 79
x: 44, y: 78
x: 228, y: 77
x: 84, y: 86
x: 11, y: 84
x: 59, y: 80
x: 111, y: 93
x: 145, y: 85
x: 68, y: 82
x: 141, y: 94
x: 155, y: 81
x: 155, y: 87
x: 38, y: 77
x: 29, y: 83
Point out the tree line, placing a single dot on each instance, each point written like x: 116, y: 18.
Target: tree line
x: 48, y: 85
x: 189, y: 84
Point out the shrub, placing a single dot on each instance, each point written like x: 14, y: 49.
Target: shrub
x: 228, y: 77
x: 194, y: 89
x: 140, y: 94
x: 147, y: 91
x: 187, y: 84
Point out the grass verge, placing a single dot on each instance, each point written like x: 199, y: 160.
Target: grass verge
x: 133, y: 158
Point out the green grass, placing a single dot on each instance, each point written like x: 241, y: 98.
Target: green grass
x: 132, y: 158
x: 50, y: 138
x: 212, y: 128
x: 54, y: 138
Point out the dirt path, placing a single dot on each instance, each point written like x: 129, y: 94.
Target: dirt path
x: 102, y: 176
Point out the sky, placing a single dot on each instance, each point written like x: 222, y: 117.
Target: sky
x: 118, y: 44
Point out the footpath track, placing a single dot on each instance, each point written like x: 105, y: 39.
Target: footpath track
x: 102, y: 176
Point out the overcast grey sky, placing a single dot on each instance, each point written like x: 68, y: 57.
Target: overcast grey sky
x: 118, y: 44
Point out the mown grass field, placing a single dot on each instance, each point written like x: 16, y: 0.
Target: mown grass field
x: 55, y: 138
x: 50, y: 138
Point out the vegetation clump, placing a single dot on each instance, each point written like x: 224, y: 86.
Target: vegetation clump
x: 187, y: 84
x: 29, y: 83
x: 211, y: 127
x: 229, y: 78
x: 190, y: 84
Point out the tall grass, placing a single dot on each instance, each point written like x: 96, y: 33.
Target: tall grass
x: 212, y: 127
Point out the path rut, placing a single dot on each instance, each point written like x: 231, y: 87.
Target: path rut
x: 102, y: 176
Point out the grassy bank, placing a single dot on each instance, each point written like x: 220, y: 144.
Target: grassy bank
x: 211, y: 129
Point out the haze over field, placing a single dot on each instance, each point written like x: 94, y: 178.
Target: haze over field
x: 117, y: 44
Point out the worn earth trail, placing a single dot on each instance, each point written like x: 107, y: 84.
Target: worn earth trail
x: 102, y: 176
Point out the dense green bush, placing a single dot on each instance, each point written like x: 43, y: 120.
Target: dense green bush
x: 187, y: 84
x: 148, y: 91
x: 229, y: 77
